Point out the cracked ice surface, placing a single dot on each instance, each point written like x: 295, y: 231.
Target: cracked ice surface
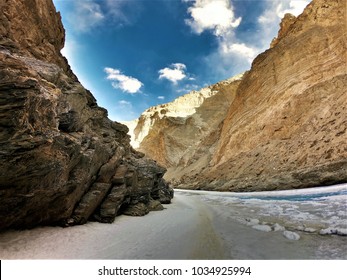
x: 315, y: 208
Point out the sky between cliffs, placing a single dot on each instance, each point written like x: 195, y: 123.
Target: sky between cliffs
x: 134, y: 54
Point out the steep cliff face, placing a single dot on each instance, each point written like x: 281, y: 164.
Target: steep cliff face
x: 170, y: 133
x: 286, y: 125
x: 62, y: 160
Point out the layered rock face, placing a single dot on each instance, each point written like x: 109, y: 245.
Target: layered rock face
x: 170, y: 133
x: 62, y: 160
x: 286, y: 125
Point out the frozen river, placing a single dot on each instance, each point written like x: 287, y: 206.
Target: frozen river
x: 295, y: 224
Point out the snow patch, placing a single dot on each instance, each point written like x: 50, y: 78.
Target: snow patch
x: 291, y: 235
x: 310, y: 230
x: 341, y: 231
x: 307, y: 210
x: 277, y: 227
x: 306, y: 229
x: 331, y: 231
x: 264, y: 228
x: 328, y: 231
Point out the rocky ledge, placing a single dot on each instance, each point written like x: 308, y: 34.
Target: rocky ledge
x: 62, y: 160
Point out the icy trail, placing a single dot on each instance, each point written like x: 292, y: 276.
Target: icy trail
x: 203, y: 225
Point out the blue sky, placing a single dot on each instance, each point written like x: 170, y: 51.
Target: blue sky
x: 134, y: 54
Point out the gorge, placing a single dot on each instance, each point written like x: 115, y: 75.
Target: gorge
x: 244, y: 149
x: 281, y: 125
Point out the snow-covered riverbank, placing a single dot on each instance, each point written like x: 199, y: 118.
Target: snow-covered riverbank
x: 202, y: 225
x: 293, y: 224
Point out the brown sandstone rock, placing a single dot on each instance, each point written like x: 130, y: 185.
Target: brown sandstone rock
x: 292, y: 132
x: 170, y: 133
x: 285, y: 25
x: 285, y: 127
x: 59, y: 151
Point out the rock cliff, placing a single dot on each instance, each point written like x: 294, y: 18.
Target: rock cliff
x: 62, y: 160
x: 170, y: 133
x: 285, y: 124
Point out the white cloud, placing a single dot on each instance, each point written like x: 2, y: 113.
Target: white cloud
x: 235, y: 54
x: 123, y: 82
x: 123, y: 11
x: 86, y: 14
x: 276, y: 9
x: 173, y: 74
x: 124, y: 103
x: 240, y: 49
x: 217, y: 16
x: 161, y: 97
x: 295, y: 7
x: 270, y: 19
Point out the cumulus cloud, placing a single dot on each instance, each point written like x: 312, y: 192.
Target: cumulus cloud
x: 240, y: 49
x: 161, y: 97
x: 276, y: 10
x: 220, y: 19
x: 120, y: 81
x: 295, y: 7
x: 217, y: 16
x: 235, y: 53
x: 174, y: 73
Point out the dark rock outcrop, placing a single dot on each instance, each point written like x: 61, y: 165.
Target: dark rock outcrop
x: 62, y: 160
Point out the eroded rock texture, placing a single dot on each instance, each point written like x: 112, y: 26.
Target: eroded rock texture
x: 286, y: 125
x: 171, y: 132
x: 62, y: 160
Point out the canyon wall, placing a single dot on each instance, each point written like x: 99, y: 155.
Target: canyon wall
x: 285, y: 125
x: 62, y: 160
x: 169, y: 133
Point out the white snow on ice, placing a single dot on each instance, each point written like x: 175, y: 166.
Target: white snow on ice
x: 200, y: 225
x: 291, y: 235
x: 311, y: 209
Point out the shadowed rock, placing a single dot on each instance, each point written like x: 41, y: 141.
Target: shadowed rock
x: 61, y: 158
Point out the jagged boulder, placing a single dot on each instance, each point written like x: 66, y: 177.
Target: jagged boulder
x: 62, y: 161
